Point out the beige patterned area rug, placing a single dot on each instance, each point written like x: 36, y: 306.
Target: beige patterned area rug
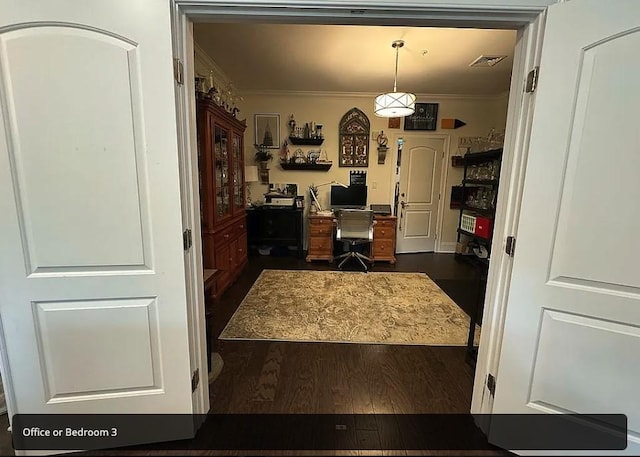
x: 348, y: 307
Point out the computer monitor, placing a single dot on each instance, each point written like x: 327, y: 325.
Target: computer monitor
x: 348, y: 197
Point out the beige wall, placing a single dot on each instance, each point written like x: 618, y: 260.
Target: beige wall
x: 480, y: 113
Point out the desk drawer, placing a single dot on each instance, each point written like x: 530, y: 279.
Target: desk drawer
x: 320, y: 245
x: 385, y: 222
x: 320, y: 230
x: 321, y: 221
x: 383, y: 248
x: 383, y: 232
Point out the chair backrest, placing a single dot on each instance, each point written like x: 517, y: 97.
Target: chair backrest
x: 355, y: 224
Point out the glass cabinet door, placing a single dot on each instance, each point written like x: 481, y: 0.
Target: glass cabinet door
x: 221, y: 176
x: 238, y: 175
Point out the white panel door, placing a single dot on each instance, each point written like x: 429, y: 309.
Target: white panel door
x: 572, y: 332
x: 92, y: 295
x: 420, y: 169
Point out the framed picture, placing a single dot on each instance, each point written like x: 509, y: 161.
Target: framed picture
x: 425, y: 117
x: 394, y: 122
x: 267, y: 130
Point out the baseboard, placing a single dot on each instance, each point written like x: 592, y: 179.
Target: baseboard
x: 447, y: 248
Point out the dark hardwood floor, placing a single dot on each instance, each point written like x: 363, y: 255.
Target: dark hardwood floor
x: 293, y: 377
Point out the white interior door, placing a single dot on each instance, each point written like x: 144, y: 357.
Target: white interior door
x: 92, y: 297
x: 420, y: 170
x: 572, y: 332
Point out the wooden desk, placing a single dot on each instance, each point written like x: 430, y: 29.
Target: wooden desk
x: 320, y: 233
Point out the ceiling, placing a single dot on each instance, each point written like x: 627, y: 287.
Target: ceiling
x: 339, y: 58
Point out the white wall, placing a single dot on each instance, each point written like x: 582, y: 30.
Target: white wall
x: 480, y: 113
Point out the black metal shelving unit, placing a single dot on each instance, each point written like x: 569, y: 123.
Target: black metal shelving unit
x: 472, y: 184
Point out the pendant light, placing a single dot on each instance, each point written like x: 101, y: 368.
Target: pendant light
x: 395, y: 104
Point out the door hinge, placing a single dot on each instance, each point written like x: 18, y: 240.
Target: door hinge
x: 510, y: 246
x: 178, y: 71
x: 532, y: 80
x: 491, y: 384
x: 187, y: 239
x: 195, y: 380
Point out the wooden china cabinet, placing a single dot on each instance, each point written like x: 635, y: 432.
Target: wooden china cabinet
x: 222, y: 198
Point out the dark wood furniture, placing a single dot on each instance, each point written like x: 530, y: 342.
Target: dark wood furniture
x: 222, y: 193
x: 210, y: 276
x: 275, y: 226
x: 321, y: 234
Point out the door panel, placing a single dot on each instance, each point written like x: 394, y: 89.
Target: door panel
x: 64, y: 351
x: 571, y: 333
x: 63, y: 199
x: 420, y: 170
x: 92, y: 297
x: 418, y: 223
x: 591, y: 342
x: 593, y: 179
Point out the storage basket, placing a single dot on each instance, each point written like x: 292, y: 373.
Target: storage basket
x: 468, y: 223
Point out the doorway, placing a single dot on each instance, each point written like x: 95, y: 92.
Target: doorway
x: 438, y: 162
x: 420, y: 186
x: 527, y: 17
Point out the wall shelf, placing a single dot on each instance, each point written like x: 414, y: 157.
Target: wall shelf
x: 473, y: 235
x: 324, y: 166
x: 473, y: 158
x: 488, y: 182
x: 305, y: 141
x: 489, y: 212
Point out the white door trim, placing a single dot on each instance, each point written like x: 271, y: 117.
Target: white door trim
x: 182, y: 38
x: 514, y: 162
x: 443, y: 172
x: 524, y: 15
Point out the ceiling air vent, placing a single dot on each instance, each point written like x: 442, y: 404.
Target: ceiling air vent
x: 487, y: 61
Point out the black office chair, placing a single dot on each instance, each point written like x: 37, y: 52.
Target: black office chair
x: 355, y: 226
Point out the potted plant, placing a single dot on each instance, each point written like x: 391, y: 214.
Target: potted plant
x: 263, y: 154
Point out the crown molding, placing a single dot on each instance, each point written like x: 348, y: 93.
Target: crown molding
x: 420, y: 97
x: 201, y: 56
